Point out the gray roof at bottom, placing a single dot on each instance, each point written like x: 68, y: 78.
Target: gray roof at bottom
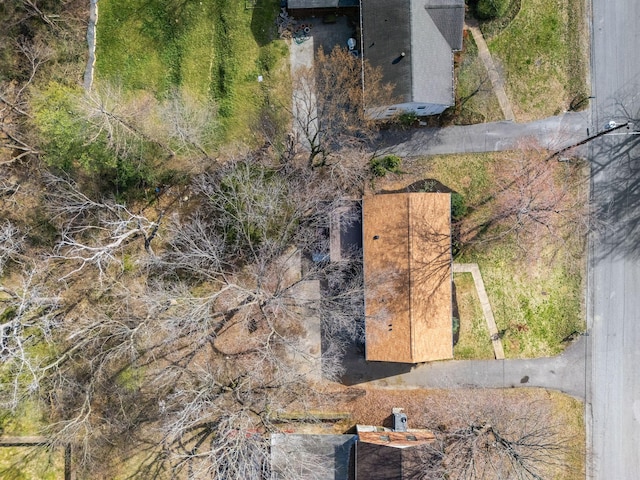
x: 426, y: 31
x: 312, y: 457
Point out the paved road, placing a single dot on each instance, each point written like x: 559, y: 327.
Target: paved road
x: 614, y: 287
x: 565, y: 373
x: 553, y: 133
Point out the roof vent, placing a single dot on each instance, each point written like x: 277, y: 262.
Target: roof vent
x: 399, y: 420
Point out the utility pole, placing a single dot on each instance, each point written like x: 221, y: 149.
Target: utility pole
x: 588, y: 139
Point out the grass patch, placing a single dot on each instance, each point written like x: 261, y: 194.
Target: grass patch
x: 31, y: 463
x: 468, y: 175
x: 491, y: 28
x: 475, y: 100
x: 28, y: 463
x: 535, y: 306
x: 474, y: 341
x: 543, y: 55
x: 214, y: 49
x: 570, y: 414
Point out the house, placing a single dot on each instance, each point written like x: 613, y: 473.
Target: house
x: 412, y: 42
x: 373, y: 453
x: 407, y: 277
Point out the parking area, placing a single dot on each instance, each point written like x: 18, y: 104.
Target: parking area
x: 312, y: 33
x: 309, y: 35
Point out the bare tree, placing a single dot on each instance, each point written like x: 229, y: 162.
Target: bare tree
x: 329, y: 104
x: 534, y: 197
x: 192, y: 381
x: 120, y: 120
x: 14, y: 110
x: 185, y: 365
x: 36, y: 53
x: 498, y: 436
x: 51, y: 20
x: 190, y: 121
x: 182, y: 123
x: 94, y: 232
x: 29, y: 316
x: 11, y: 244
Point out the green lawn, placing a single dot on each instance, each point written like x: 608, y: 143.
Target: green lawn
x: 543, y: 54
x: 28, y: 463
x: 535, y: 305
x: 215, y: 49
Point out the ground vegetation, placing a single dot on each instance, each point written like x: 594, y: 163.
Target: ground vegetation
x: 542, y: 52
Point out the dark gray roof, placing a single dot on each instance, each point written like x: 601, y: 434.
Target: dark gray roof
x: 448, y: 16
x: 426, y: 31
x: 311, y: 457
x: 380, y: 462
x: 386, y: 33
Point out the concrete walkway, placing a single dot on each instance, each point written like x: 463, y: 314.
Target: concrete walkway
x: 91, y: 42
x: 303, y: 101
x: 497, y: 81
x: 474, y: 270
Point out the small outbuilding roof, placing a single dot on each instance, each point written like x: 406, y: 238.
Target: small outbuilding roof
x: 407, y: 273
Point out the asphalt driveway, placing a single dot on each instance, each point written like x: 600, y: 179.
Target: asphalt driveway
x: 553, y: 133
x: 565, y: 372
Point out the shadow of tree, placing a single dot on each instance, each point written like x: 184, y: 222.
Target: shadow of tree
x: 615, y: 196
x: 263, y: 20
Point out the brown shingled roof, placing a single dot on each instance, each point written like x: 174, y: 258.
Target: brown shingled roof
x: 410, y: 438
x: 407, y: 269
